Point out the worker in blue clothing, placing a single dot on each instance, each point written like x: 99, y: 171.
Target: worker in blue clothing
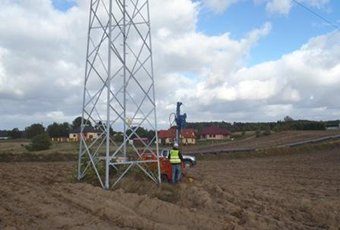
x: 176, y: 160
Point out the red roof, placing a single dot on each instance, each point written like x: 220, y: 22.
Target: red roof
x: 171, y: 133
x: 215, y: 131
x: 188, y: 133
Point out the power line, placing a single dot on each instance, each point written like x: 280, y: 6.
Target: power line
x: 316, y: 14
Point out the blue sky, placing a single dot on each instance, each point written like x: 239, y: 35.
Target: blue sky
x: 288, y: 33
x: 63, y: 5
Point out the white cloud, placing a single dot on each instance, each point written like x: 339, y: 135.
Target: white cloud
x: 42, y: 56
x: 313, y: 71
x: 317, y: 3
x: 278, y: 110
x: 279, y: 6
x: 42, y: 52
x: 57, y: 116
x: 210, y: 61
x: 271, y: 90
x: 219, y: 5
x: 284, y: 6
x: 173, y: 17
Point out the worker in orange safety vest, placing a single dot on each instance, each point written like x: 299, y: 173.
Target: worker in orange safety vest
x: 176, y: 160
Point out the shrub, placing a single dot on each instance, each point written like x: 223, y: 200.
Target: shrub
x: 39, y: 142
x: 267, y: 132
x: 258, y: 133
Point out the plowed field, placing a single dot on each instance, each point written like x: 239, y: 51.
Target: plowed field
x: 297, y: 191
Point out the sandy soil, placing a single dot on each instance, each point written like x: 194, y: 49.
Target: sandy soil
x: 299, y: 191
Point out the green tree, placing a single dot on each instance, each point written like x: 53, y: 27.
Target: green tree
x: 58, y: 130
x: 15, y: 133
x: 141, y: 132
x: 288, y: 118
x: 118, y: 137
x: 102, y: 127
x: 34, y: 130
x: 267, y: 131
x: 76, y: 123
x: 40, y: 142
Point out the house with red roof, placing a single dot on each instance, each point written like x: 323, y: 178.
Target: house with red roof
x: 214, y: 133
x: 167, y: 137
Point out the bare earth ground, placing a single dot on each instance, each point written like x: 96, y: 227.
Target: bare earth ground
x: 297, y: 191
x: 275, y: 139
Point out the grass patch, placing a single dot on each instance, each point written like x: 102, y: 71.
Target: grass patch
x: 15, y: 150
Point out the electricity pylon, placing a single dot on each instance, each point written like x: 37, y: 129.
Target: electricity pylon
x: 119, y: 93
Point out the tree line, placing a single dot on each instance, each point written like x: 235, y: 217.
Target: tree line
x: 53, y: 130
x: 286, y: 124
x: 56, y: 130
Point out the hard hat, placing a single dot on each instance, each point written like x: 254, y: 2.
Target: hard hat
x: 176, y: 145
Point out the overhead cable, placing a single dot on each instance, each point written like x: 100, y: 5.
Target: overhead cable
x: 316, y: 14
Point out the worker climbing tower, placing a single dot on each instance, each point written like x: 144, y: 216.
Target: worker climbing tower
x: 119, y: 94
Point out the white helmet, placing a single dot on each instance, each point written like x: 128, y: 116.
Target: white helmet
x: 176, y: 145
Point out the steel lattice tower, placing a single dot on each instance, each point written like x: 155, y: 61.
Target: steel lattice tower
x: 119, y: 93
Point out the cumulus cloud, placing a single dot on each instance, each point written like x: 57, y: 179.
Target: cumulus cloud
x: 193, y: 66
x: 300, y: 82
x: 279, y: 6
x: 41, y: 59
x: 42, y: 55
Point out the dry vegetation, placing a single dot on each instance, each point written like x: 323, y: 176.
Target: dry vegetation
x: 275, y: 139
x: 297, y: 188
x: 14, y: 150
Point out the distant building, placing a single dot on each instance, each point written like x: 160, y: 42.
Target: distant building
x: 214, y: 133
x: 60, y: 139
x: 188, y: 136
x: 167, y: 137
x: 89, y: 133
